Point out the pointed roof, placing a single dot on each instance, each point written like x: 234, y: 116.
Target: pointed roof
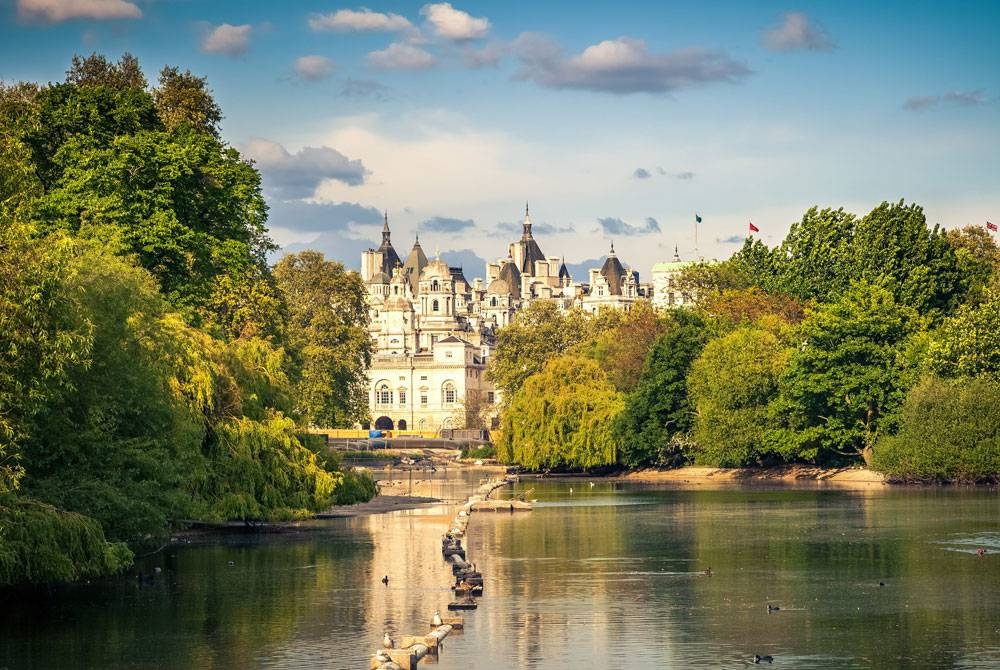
x: 613, y: 272
x: 563, y: 271
x: 530, y: 251
x: 390, y: 259
x: 415, y: 263
x: 512, y: 277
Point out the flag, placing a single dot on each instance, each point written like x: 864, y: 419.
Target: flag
x: 697, y: 218
x: 991, y: 226
x: 753, y: 228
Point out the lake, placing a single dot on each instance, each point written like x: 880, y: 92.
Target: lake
x: 608, y: 575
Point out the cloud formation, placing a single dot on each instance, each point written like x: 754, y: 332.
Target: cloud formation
x: 291, y: 176
x: 510, y: 228
x: 622, y: 66
x: 400, y: 56
x: 442, y: 224
x: 364, y: 88
x: 797, y: 33
x: 685, y: 176
x: 313, y: 68
x: 732, y: 239
x: 454, y: 24
x: 363, y: 20
x: 641, y: 173
x: 615, y: 226
x: 305, y: 217
x: 56, y: 11
x: 227, y: 39
x: 959, y: 98
x: 488, y: 56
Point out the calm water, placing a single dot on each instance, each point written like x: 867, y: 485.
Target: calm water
x: 608, y: 576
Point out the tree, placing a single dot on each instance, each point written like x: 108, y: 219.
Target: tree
x: 732, y: 386
x: 538, y: 333
x: 621, y: 349
x: 183, y: 99
x: 847, y: 373
x: 949, y: 430
x: 978, y: 258
x: 328, y: 336
x: 968, y: 343
x: 562, y: 417
x: 658, y: 409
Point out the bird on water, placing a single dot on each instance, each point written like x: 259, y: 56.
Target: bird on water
x: 436, y: 621
x: 387, y: 641
x: 385, y: 580
x: 757, y: 658
x: 772, y: 608
x: 981, y: 552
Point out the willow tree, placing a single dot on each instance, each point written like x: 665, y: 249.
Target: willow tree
x: 563, y: 416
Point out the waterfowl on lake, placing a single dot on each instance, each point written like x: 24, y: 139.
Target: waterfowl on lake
x: 232, y: 564
x: 385, y: 580
x: 387, y: 641
x: 772, y: 608
x: 707, y: 572
x: 436, y: 620
x: 981, y: 552
x: 763, y: 659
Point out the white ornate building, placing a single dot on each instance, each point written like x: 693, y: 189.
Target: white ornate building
x: 434, y: 332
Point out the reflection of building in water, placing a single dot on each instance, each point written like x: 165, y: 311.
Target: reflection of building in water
x: 434, y: 331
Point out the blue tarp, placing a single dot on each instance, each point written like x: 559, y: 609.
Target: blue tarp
x: 372, y: 434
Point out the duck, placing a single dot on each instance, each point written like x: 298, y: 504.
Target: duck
x: 387, y: 641
x: 385, y: 580
x: 382, y: 656
x: 232, y: 564
x: 757, y: 658
x: 436, y: 619
x: 707, y: 572
x: 981, y: 552
x: 772, y: 608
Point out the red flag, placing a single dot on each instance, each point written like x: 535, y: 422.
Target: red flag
x: 753, y: 228
x: 991, y: 226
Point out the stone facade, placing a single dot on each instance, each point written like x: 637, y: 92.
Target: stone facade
x: 434, y: 332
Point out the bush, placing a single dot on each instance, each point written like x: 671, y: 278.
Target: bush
x: 481, y: 452
x: 949, y: 430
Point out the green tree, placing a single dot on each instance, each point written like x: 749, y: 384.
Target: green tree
x: 538, y: 333
x: 621, y: 349
x: 562, y: 417
x: 978, y: 258
x: 182, y: 99
x: 847, y: 373
x: 968, y: 343
x: 328, y: 337
x: 658, y: 409
x: 949, y: 430
x: 733, y: 386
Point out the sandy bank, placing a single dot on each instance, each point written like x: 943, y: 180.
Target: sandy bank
x: 704, y: 477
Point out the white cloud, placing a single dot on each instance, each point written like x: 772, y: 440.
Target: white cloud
x: 55, y: 11
x: 313, y: 68
x: 622, y: 65
x: 400, y: 56
x: 454, y: 24
x: 363, y: 20
x: 796, y: 33
x: 960, y: 98
x: 227, y: 39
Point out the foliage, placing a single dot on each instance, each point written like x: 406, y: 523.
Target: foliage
x: 357, y: 485
x: 622, y: 348
x: 733, y: 385
x: 978, y: 258
x: 183, y: 99
x: 479, y: 451
x: 847, y: 373
x: 948, y: 430
x: 562, y: 417
x: 658, y: 409
x: 328, y: 337
x: 968, y: 343
x: 829, y: 249
x: 736, y: 307
x: 538, y: 333
x: 40, y: 544
x: 260, y: 472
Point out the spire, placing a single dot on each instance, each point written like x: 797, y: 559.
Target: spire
x: 385, y: 231
x: 612, y: 253
x: 526, y: 230
x: 526, y: 209
x: 677, y: 256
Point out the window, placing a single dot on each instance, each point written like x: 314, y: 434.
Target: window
x: 447, y: 354
x: 435, y: 286
x: 423, y: 400
x: 435, y: 307
x: 384, y: 395
x: 490, y: 397
x: 423, y: 378
x: 448, y: 394
x: 402, y: 397
x: 493, y: 302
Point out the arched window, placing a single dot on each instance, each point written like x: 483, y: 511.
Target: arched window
x: 395, y: 290
x: 435, y: 285
x: 448, y: 394
x: 493, y: 301
x: 435, y: 307
x: 384, y: 395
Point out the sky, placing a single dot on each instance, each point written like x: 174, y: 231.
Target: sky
x: 616, y: 122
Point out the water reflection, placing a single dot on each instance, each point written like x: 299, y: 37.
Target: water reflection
x: 607, y: 576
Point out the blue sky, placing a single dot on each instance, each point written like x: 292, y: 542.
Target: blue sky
x: 617, y: 121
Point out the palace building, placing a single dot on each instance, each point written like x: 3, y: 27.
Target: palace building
x: 434, y: 331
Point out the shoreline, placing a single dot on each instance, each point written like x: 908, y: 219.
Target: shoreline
x: 786, y: 475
